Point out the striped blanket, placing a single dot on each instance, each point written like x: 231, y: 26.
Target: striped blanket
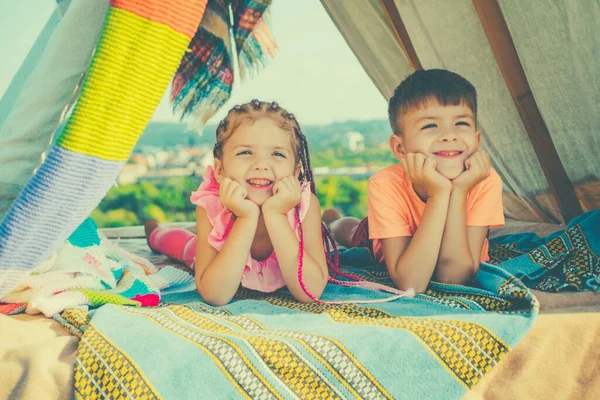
x: 436, y: 345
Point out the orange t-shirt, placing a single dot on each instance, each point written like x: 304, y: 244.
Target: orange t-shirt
x: 395, y: 209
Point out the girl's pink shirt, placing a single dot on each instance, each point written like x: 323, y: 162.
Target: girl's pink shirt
x: 265, y: 275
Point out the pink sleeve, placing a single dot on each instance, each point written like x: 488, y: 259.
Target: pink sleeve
x: 387, y: 211
x: 484, y: 204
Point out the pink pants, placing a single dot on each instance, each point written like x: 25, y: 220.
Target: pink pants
x: 179, y: 244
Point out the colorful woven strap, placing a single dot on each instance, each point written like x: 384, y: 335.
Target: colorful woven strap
x: 140, y: 49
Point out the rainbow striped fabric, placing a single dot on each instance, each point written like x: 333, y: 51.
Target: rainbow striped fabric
x: 140, y: 49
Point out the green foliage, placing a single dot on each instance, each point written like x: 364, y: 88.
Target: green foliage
x: 343, y: 193
x: 336, y: 157
x: 167, y: 200
x: 115, y: 218
x: 164, y: 200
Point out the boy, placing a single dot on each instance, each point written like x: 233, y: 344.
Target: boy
x: 429, y: 215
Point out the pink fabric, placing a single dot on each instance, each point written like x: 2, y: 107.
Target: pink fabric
x: 179, y: 244
x: 265, y: 275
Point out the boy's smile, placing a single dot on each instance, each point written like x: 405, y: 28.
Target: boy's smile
x: 446, y: 133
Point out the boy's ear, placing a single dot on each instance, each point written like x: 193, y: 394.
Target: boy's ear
x: 218, y: 167
x: 478, y: 134
x: 397, y: 146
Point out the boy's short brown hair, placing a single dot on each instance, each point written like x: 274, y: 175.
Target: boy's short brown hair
x: 448, y: 88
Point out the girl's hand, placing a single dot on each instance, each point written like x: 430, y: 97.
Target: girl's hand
x: 287, y: 193
x: 233, y: 196
x: 420, y: 170
x: 477, y: 169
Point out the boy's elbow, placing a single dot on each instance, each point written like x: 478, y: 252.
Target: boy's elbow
x: 456, y: 275
x: 405, y: 282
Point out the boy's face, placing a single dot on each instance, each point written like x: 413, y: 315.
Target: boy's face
x: 446, y: 133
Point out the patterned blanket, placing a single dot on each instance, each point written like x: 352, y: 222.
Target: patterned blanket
x: 564, y: 261
x: 436, y: 345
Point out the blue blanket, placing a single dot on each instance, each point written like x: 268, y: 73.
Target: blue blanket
x: 436, y: 345
x: 564, y: 261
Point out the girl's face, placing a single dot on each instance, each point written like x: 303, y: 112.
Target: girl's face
x: 258, y: 155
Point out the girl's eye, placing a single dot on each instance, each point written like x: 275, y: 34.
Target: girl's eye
x: 278, y: 154
x: 430, y: 126
x: 243, y: 153
x: 463, y: 123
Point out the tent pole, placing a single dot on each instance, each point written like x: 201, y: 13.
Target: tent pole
x: 401, y: 34
x: 496, y: 30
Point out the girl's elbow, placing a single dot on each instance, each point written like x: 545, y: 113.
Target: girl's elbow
x: 212, y: 297
x: 215, y: 301
x: 314, y: 296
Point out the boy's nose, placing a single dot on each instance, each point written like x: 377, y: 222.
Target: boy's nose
x: 448, y: 136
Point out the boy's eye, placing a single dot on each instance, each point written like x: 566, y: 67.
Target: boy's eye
x: 244, y: 152
x: 463, y: 123
x: 278, y: 154
x: 429, y: 126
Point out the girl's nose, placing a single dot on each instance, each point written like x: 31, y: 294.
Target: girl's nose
x: 260, y: 164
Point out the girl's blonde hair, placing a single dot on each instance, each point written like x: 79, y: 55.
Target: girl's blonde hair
x: 251, y: 112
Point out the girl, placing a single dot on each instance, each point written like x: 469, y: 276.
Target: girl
x: 258, y: 218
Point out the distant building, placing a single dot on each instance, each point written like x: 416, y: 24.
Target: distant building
x: 131, y: 173
x: 354, y: 142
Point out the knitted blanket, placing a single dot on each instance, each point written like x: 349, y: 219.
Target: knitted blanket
x: 90, y: 270
x: 144, y: 44
x: 139, y: 51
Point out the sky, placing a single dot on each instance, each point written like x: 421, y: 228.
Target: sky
x: 315, y: 74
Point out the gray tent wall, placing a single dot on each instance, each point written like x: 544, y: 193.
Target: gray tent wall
x: 558, y: 49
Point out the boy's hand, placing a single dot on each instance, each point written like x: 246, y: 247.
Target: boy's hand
x: 477, y: 169
x: 233, y: 196
x: 287, y: 193
x: 420, y: 170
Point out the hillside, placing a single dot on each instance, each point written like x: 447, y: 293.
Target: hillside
x: 165, y: 135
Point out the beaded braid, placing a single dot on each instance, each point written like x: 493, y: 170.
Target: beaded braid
x: 306, y: 175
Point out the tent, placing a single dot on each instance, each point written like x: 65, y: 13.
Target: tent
x: 535, y: 70
x: 534, y: 67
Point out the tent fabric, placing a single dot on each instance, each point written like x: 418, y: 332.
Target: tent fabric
x: 48, y: 82
x: 562, y: 69
x: 365, y: 28
x: 449, y: 35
